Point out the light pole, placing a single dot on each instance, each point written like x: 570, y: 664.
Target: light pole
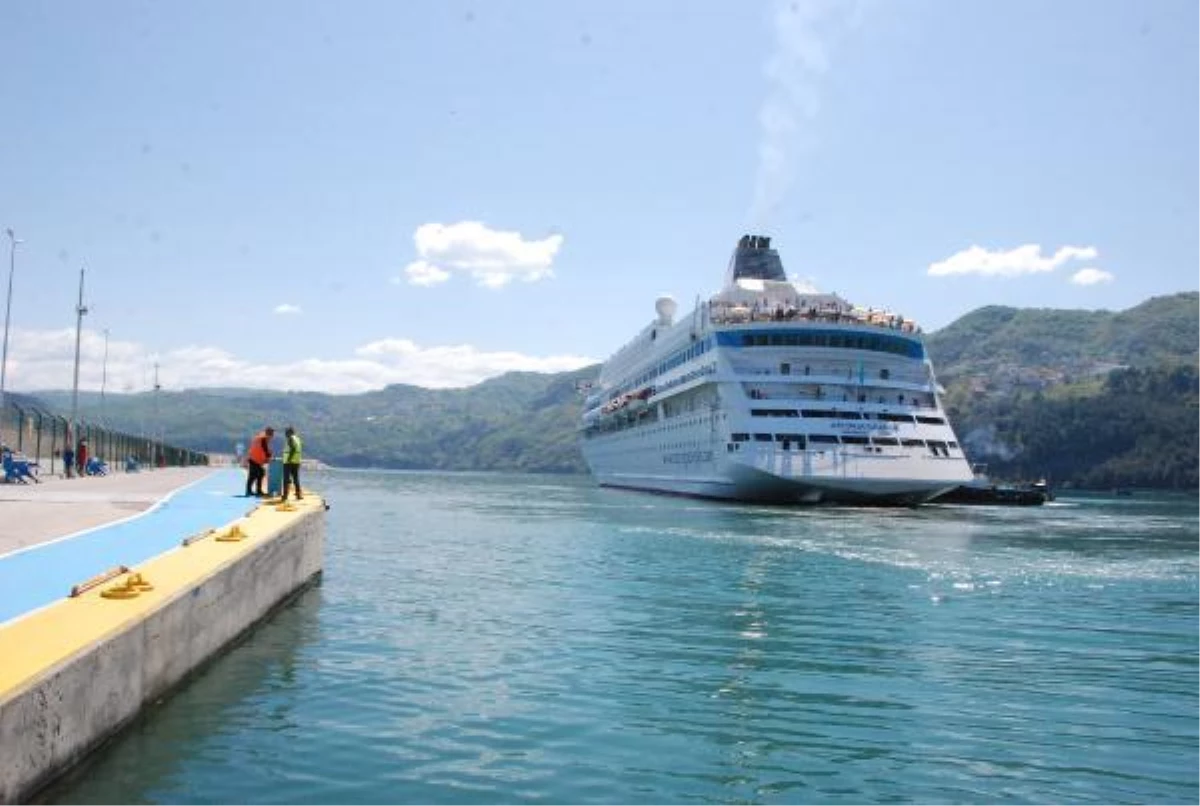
x: 157, y: 427
x: 80, y: 310
x: 12, y: 265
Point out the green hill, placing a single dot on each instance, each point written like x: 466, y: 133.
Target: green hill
x: 1001, y: 348
x: 1090, y: 398
x: 518, y: 421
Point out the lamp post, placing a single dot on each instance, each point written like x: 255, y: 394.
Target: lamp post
x: 12, y: 265
x: 156, y: 430
x: 80, y: 310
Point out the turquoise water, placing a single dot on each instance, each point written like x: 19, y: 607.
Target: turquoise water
x: 493, y: 638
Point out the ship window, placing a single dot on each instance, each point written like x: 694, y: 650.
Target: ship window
x: 894, y: 418
x: 773, y: 413
x: 938, y: 448
x: 953, y: 445
x: 885, y: 440
x: 785, y: 369
x: 913, y: 443
x: 739, y: 437
x: 818, y: 413
x: 885, y: 374
x: 852, y: 440
x: 931, y: 420
x: 762, y: 437
x: 828, y: 439
x: 797, y: 438
x: 876, y: 342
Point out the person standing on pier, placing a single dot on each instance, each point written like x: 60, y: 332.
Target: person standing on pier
x: 291, y: 462
x: 81, y: 458
x: 257, y: 458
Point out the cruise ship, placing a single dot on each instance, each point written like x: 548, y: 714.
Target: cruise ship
x: 773, y: 391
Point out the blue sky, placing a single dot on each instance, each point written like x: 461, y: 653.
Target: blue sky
x: 340, y: 196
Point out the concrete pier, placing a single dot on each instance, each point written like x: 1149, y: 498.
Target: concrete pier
x: 76, y: 668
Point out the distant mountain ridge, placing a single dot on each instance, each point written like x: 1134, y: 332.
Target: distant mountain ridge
x: 1001, y: 344
x: 517, y: 421
x: 1025, y: 387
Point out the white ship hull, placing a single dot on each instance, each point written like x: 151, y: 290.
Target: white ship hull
x: 800, y: 402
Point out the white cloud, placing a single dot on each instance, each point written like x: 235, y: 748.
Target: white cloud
x: 1027, y: 259
x: 421, y: 273
x: 493, y: 258
x: 286, y: 308
x: 1090, y: 276
x: 45, y: 360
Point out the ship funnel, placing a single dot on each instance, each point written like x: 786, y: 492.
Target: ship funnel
x: 665, y: 305
x: 755, y: 259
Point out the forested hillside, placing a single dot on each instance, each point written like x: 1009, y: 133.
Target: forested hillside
x: 518, y: 421
x: 998, y: 350
x: 1139, y: 429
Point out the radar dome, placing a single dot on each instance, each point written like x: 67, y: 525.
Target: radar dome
x: 665, y: 305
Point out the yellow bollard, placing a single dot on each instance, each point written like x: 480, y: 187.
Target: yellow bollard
x: 129, y: 589
x: 234, y: 534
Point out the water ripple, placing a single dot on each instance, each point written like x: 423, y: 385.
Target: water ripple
x: 487, y: 638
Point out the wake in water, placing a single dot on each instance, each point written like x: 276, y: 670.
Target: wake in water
x: 968, y: 545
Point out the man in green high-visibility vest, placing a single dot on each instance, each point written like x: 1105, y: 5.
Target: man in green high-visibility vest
x: 291, y: 462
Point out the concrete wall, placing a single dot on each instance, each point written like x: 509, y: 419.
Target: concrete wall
x: 51, y: 722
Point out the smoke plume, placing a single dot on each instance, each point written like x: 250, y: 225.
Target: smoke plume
x: 984, y: 443
x: 804, y: 31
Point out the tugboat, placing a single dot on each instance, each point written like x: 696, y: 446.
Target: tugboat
x: 981, y: 490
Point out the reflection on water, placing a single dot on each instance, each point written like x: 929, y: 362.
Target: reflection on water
x: 492, y: 638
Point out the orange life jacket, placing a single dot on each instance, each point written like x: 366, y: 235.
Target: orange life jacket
x: 259, y: 453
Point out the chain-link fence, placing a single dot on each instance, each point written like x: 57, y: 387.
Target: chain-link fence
x: 43, y: 436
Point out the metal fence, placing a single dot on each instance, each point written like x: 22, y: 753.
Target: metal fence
x: 42, y: 436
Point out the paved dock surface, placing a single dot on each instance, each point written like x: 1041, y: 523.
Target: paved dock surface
x: 35, y: 513
x: 62, y: 532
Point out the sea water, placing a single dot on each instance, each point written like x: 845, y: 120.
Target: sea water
x: 481, y: 638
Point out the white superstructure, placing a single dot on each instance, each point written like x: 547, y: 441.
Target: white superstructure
x: 773, y: 391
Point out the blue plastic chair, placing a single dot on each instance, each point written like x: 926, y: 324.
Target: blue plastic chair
x: 11, y: 476
x: 17, y: 470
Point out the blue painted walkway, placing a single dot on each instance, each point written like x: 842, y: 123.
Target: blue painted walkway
x: 43, y: 574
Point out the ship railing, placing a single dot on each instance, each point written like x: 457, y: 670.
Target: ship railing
x: 739, y: 315
x: 855, y: 397
x: 914, y: 382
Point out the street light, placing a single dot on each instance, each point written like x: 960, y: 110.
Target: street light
x: 80, y: 310
x: 12, y: 265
